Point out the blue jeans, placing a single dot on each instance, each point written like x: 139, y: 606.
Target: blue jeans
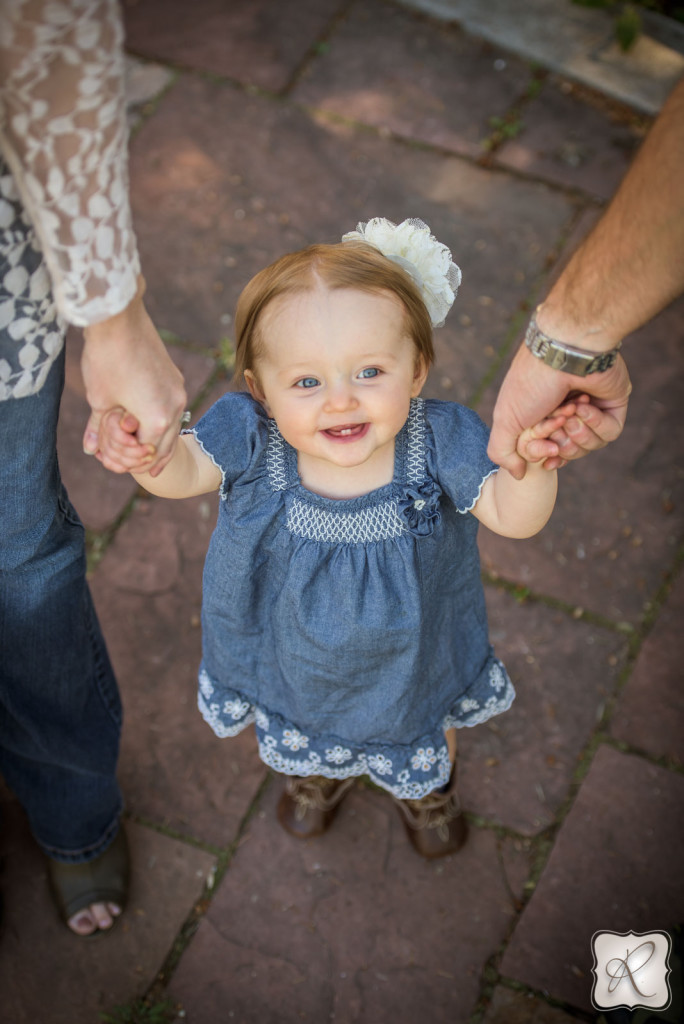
x: 60, y: 713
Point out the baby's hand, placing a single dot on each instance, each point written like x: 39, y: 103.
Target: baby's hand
x: 119, y: 449
x: 580, y: 432
x: 536, y: 444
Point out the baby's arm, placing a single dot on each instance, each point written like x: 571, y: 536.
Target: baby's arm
x: 189, y: 472
x: 520, y: 508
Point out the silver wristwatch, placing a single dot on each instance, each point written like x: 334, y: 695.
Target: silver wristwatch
x: 564, y: 357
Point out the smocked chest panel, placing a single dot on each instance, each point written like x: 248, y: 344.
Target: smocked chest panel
x: 375, y: 517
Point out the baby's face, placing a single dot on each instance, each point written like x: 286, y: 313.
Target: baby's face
x: 337, y: 371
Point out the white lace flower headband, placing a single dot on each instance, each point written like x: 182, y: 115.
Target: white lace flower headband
x: 415, y: 249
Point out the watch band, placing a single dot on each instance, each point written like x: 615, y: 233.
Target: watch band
x: 567, y: 358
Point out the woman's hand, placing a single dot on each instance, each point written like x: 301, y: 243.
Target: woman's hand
x: 126, y: 366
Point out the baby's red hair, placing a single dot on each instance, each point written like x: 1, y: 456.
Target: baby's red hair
x: 344, y: 265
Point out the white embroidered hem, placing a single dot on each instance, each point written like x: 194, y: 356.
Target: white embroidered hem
x: 375, y: 766
x: 479, y: 491
x: 222, y: 489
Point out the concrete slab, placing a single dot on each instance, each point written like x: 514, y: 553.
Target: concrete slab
x: 257, y: 42
x: 49, y: 975
x: 353, y: 926
x: 414, y: 77
x: 650, y: 712
x: 619, y: 517
x: 615, y: 865
x: 147, y: 589
x: 223, y: 184
x: 576, y: 41
x: 517, y: 769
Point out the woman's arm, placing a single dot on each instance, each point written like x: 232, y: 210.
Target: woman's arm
x: 125, y: 363
x: 63, y: 133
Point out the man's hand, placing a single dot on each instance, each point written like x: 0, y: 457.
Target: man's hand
x: 531, y: 391
x: 125, y: 364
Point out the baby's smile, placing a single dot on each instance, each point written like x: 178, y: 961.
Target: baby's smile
x: 347, y: 432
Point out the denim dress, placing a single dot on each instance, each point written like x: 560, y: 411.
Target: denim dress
x: 351, y: 632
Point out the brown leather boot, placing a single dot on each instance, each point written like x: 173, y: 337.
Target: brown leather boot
x: 308, y: 806
x: 435, y: 825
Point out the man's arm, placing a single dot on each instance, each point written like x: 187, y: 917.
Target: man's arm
x: 629, y: 268
x: 51, y: 57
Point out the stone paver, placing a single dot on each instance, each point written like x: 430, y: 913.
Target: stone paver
x: 650, y: 712
x: 304, y: 931
x: 390, y: 69
x: 509, y: 1007
x: 517, y: 768
x: 616, y: 865
x: 255, y: 42
x: 566, y: 139
x: 66, y: 980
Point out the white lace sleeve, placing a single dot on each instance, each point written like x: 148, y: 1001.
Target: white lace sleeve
x: 63, y: 133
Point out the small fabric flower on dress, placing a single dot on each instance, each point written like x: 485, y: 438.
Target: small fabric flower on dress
x: 380, y: 764
x: 295, y: 740
x: 423, y: 759
x: 338, y: 754
x: 420, y: 508
x: 415, y: 249
x: 236, y: 708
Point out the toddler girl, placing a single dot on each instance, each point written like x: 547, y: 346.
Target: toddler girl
x: 343, y: 610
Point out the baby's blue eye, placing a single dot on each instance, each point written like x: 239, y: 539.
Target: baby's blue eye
x: 370, y: 371
x: 307, y: 382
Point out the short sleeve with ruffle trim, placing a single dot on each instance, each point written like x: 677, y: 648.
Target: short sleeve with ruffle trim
x: 233, y: 433
x: 456, y: 449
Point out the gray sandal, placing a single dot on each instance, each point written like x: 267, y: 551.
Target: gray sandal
x: 102, y: 880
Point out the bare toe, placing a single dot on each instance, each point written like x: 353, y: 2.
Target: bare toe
x: 82, y: 923
x: 103, y: 919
